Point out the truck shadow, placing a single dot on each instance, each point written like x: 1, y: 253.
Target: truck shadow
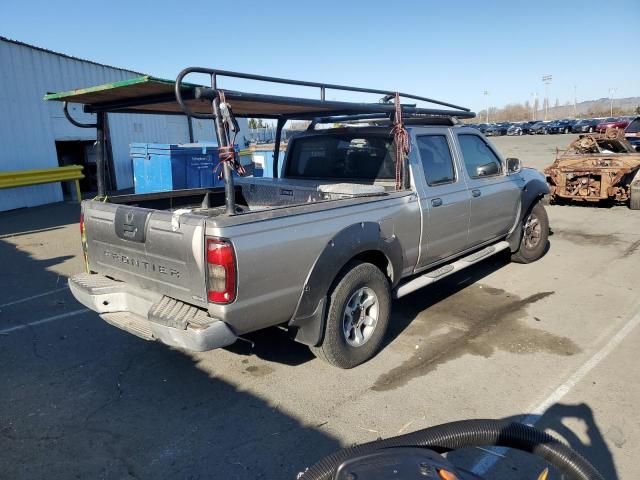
x: 25, y: 231
x: 273, y: 344
x: 34, y: 220
x: 132, y: 410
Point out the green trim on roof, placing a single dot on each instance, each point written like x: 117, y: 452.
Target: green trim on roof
x: 106, y: 86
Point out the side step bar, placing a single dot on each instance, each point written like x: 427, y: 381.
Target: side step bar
x: 446, y: 270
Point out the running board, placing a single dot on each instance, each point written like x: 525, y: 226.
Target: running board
x: 446, y: 270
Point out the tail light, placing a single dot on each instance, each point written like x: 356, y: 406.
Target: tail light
x: 221, y: 271
x: 83, y: 238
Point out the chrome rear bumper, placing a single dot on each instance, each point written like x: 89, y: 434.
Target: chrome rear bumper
x: 134, y: 310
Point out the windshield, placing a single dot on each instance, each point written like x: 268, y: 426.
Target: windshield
x: 342, y: 156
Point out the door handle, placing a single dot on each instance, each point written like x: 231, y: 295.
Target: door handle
x: 436, y: 202
x: 475, y: 192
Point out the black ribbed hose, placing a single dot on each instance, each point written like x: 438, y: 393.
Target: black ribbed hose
x: 467, y: 434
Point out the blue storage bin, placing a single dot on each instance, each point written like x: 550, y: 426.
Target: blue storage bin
x: 263, y: 163
x: 160, y: 167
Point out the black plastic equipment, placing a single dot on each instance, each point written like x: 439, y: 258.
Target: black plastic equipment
x: 468, y: 434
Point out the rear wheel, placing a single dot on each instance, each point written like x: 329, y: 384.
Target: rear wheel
x: 357, y: 316
x: 535, y: 236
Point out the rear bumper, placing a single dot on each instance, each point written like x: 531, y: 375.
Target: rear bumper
x: 147, y: 314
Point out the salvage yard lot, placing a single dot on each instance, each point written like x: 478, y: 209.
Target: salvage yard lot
x: 554, y: 341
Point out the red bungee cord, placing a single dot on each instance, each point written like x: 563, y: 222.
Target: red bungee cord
x: 401, y: 139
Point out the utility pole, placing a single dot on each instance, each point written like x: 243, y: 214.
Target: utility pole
x: 546, y: 79
x: 575, y: 102
x: 534, y: 96
x: 486, y: 95
x: 612, y: 92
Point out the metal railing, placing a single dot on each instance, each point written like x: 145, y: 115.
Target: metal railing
x: 25, y: 178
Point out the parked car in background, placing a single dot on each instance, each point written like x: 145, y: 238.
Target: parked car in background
x: 613, y: 122
x: 587, y: 125
x: 632, y: 133
x: 482, y: 127
x: 560, y: 126
x: 523, y: 128
x: 497, y: 130
x: 539, y: 128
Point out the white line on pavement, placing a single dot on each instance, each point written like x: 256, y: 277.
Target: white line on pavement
x: 44, y: 320
x: 33, y: 297
x: 488, y: 461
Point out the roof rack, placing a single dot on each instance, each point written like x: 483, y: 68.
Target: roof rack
x: 274, y: 106
x: 377, y: 119
x: 153, y: 95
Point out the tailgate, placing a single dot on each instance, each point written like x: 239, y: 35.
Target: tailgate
x: 152, y: 249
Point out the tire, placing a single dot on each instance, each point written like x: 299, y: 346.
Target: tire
x: 634, y: 197
x: 533, y: 247
x: 339, y: 346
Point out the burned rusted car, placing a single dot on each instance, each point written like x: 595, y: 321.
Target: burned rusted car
x: 597, y: 167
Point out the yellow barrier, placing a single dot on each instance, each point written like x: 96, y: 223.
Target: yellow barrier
x: 24, y: 178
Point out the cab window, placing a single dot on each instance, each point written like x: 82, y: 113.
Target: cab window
x: 436, y: 159
x: 479, y: 159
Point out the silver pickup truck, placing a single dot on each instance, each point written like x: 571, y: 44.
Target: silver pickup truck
x: 323, y: 250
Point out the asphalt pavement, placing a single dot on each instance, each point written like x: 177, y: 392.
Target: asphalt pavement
x: 553, y: 343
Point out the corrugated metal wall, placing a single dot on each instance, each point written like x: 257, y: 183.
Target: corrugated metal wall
x: 30, y: 126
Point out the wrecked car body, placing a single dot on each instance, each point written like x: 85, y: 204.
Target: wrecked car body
x: 596, y: 167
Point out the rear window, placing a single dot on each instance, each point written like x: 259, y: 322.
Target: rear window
x: 342, y: 156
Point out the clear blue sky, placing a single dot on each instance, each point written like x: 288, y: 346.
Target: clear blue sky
x: 448, y: 50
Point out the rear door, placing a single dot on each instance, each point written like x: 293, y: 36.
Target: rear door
x: 495, y: 196
x: 444, y: 198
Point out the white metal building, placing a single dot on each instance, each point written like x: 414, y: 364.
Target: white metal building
x: 35, y: 134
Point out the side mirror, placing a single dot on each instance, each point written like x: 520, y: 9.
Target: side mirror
x: 487, y: 169
x: 513, y: 165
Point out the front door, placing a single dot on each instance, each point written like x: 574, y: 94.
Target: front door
x: 444, y: 199
x: 495, y: 196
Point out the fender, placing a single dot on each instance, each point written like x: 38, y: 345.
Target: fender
x: 308, y: 320
x: 534, y: 189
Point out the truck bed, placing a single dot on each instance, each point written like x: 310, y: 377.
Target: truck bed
x: 255, y: 194
x: 155, y: 241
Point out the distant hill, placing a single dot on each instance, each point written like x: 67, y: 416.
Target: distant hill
x: 589, y: 108
x: 599, y: 107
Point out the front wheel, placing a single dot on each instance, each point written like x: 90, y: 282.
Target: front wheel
x: 357, y: 316
x: 535, y: 236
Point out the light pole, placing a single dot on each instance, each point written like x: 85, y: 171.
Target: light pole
x: 575, y: 102
x: 534, y: 96
x: 612, y: 92
x: 486, y: 95
x: 546, y: 79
